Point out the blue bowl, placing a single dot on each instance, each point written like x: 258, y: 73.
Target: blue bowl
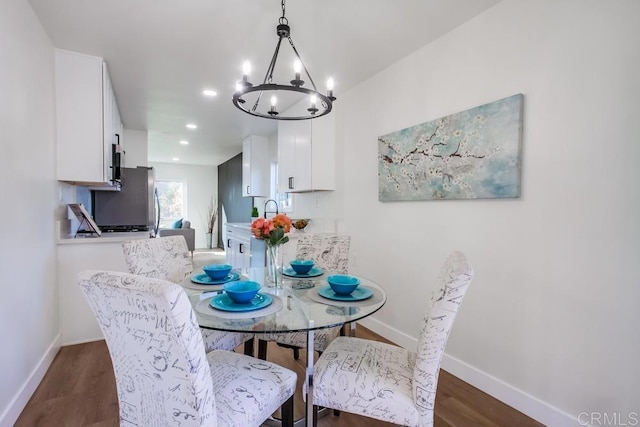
x: 241, y: 292
x: 217, y: 271
x: 302, y: 266
x: 342, y: 284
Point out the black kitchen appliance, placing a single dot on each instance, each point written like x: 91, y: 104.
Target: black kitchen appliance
x: 131, y: 209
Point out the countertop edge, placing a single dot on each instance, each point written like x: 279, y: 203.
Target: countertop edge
x: 105, y: 238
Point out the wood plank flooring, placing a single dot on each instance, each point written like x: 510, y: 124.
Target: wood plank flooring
x: 79, y: 390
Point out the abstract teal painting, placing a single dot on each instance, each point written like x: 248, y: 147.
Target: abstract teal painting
x: 474, y: 154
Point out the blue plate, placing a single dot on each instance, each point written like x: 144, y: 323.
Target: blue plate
x: 359, y: 294
x: 224, y: 303
x: 203, y: 279
x: 314, y: 272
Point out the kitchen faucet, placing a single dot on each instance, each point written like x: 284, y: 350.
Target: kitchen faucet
x: 265, y: 207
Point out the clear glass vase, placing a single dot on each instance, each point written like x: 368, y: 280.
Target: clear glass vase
x: 274, y: 266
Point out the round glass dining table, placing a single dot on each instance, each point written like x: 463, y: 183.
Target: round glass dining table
x: 300, y: 304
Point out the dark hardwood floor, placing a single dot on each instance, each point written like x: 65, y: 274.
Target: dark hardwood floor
x: 79, y: 390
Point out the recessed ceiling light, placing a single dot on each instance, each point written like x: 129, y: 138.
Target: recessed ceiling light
x: 192, y: 125
x: 184, y: 142
x: 175, y: 159
x: 209, y: 92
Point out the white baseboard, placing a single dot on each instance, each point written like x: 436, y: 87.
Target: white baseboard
x: 392, y: 334
x: 13, y: 411
x: 517, y: 399
x: 83, y: 341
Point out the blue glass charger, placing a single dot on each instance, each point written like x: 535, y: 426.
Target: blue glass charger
x: 314, y: 272
x: 359, y: 294
x: 203, y: 279
x: 224, y: 303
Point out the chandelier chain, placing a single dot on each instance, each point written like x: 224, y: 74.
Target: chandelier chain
x: 283, y: 19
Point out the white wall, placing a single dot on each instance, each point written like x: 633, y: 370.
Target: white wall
x: 28, y: 307
x: 201, y: 183
x: 552, y: 311
x: 136, y: 148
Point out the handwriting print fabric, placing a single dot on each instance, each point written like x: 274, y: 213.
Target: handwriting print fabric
x: 163, y: 375
x: 387, y: 382
x: 168, y: 258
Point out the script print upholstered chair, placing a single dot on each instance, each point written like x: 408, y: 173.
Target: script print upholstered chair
x: 163, y: 375
x: 331, y: 253
x: 168, y: 258
x: 386, y: 382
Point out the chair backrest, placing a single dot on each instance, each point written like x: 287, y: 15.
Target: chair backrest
x: 164, y: 258
x: 453, y: 283
x: 162, y: 373
x: 328, y: 251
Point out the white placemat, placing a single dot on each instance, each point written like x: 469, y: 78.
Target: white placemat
x: 374, y: 299
x: 203, y: 307
x: 187, y: 283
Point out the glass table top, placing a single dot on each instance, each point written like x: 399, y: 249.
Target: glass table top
x: 297, y: 306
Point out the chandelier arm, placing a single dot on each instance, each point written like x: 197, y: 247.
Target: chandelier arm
x: 268, y: 77
x: 272, y: 64
x: 303, y: 66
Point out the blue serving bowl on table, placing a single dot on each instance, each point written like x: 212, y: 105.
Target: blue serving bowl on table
x: 342, y: 284
x: 217, y: 271
x: 302, y: 266
x: 241, y: 292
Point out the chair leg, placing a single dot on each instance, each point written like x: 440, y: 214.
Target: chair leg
x: 262, y: 349
x: 286, y: 411
x: 315, y: 415
x: 248, y: 347
x: 296, y: 350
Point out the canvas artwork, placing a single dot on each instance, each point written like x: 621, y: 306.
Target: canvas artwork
x: 474, y: 154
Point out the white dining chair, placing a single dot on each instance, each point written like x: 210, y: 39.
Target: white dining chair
x: 387, y: 382
x: 163, y: 375
x: 168, y: 258
x: 331, y: 253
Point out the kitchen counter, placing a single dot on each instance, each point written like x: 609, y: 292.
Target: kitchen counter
x: 240, y: 225
x: 75, y: 254
x: 105, y: 238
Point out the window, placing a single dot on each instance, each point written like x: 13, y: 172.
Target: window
x: 172, y: 200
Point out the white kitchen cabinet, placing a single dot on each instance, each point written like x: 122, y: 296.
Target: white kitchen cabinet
x: 87, y: 118
x: 255, y: 166
x: 242, y: 249
x: 306, y: 155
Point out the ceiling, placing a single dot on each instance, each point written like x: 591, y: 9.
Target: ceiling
x: 161, y: 54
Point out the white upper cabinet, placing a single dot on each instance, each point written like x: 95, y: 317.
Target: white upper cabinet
x: 306, y: 155
x: 255, y: 166
x: 87, y: 119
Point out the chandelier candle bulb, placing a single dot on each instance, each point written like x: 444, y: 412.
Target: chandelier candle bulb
x: 313, y: 99
x: 297, y: 68
x: 330, y: 85
x: 274, y: 101
x: 246, y: 70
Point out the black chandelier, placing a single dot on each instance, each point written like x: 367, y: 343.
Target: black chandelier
x: 319, y: 104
